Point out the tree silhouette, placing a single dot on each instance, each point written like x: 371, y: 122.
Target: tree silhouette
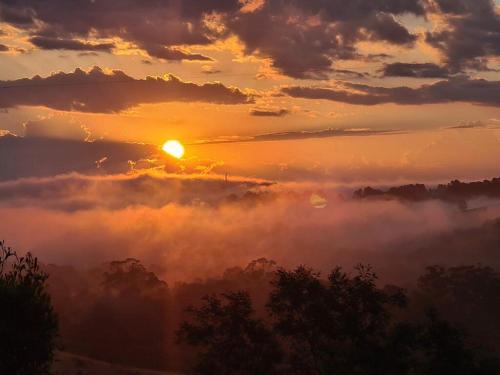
x: 336, y: 326
x: 441, y: 348
x: 232, y: 342
x: 28, y: 324
x: 127, y: 320
x: 468, y: 296
x: 342, y: 325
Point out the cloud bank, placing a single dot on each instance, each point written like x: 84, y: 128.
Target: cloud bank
x: 458, y: 89
x: 98, y: 91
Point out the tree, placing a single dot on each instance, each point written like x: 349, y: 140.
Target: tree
x: 127, y: 320
x: 28, y: 323
x: 441, y: 348
x: 468, y: 296
x: 232, y: 342
x: 339, y: 326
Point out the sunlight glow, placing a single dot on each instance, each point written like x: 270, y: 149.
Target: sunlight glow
x: 174, y: 148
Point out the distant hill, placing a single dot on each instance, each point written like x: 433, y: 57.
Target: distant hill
x: 455, y: 191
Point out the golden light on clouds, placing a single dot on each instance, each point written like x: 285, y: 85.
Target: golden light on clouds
x: 174, y: 148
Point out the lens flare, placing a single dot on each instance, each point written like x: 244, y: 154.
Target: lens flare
x: 174, y: 148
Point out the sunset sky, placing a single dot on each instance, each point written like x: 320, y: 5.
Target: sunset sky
x: 323, y: 90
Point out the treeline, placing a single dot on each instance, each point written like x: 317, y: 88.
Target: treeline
x: 261, y: 319
x: 455, y: 191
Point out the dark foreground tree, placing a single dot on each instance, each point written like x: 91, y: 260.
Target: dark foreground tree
x: 28, y: 324
x: 232, y: 341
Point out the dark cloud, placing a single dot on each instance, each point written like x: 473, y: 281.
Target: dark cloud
x: 471, y: 33
x: 151, y: 25
x: 37, y: 156
x: 302, y: 37
x: 469, y: 125
x: 16, y: 15
x: 269, y: 112
x: 345, y: 73
x: 174, y: 54
x: 458, y: 89
x: 425, y: 70
x: 69, y: 44
x: 302, y: 134
x: 4, y: 48
x: 97, y: 91
x: 88, y: 53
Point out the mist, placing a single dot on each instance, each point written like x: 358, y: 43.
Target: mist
x: 188, y: 228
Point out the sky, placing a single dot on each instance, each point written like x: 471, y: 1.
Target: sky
x: 328, y: 90
x: 299, y: 98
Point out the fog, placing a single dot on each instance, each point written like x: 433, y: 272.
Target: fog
x: 185, y: 228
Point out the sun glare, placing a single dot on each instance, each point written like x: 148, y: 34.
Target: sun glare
x: 174, y: 148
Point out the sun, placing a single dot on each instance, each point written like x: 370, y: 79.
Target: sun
x: 174, y: 148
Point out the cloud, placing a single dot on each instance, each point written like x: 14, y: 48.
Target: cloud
x: 69, y: 44
x: 174, y: 54
x: 98, y: 91
x: 169, y: 23
x: 269, y: 112
x: 303, y: 38
x: 425, y: 70
x: 41, y: 157
x: 457, y: 89
x: 303, y: 134
x: 4, y: 48
x: 56, y: 128
x: 469, y: 32
x: 469, y: 125
x: 209, y: 69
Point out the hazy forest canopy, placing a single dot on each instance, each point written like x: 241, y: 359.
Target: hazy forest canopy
x: 263, y: 319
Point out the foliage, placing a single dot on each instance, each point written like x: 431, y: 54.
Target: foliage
x: 342, y: 325
x: 232, y: 341
x: 28, y: 324
x: 126, y: 319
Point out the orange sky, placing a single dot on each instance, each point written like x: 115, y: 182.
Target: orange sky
x: 263, y: 68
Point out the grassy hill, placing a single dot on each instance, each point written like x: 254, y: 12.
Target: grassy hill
x: 71, y: 364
